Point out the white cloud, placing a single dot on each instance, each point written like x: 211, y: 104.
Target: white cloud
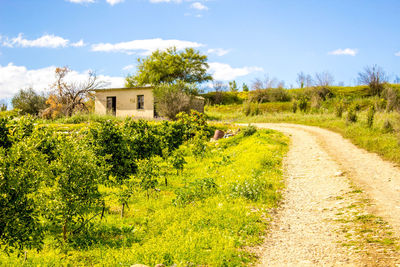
x: 45, y: 41
x: 13, y: 78
x: 397, y: 54
x: 344, y: 52
x: 128, y: 67
x: 49, y: 41
x: 144, y: 47
x: 78, y: 44
x: 165, y: 1
x: 199, y: 6
x: 81, y: 1
x: 224, y: 72
x: 114, y: 2
x: 218, y: 51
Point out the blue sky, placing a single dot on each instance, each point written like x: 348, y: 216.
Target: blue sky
x: 244, y: 39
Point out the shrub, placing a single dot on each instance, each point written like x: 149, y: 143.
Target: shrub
x: 294, y: 107
x: 247, y: 108
x: 339, y: 108
x: 387, y: 127
x: 222, y: 98
x: 269, y: 95
x: 172, y: 99
x: 303, y: 103
x: 392, y: 98
x: 370, y: 116
x: 352, y: 114
x: 249, y: 130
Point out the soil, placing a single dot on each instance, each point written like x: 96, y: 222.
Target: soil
x: 341, y: 205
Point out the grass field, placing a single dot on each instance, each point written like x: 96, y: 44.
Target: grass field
x: 206, y: 215
x: 378, y: 139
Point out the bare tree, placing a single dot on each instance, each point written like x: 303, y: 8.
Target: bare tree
x: 304, y: 80
x: 219, y: 86
x: 301, y: 79
x: 68, y: 97
x: 324, y: 79
x: 257, y: 84
x: 267, y: 83
x: 375, y: 77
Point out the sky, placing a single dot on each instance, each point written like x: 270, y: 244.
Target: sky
x: 243, y: 39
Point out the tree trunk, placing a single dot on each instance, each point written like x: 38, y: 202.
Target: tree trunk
x: 122, y: 210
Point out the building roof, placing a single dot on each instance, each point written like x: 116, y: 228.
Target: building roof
x: 124, y: 88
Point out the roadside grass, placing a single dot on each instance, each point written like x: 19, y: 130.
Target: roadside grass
x: 209, y: 226
x: 366, y: 233
x: 378, y: 139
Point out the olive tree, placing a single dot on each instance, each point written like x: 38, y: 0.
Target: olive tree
x: 29, y: 102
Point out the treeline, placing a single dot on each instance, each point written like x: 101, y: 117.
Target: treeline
x: 49, y: 179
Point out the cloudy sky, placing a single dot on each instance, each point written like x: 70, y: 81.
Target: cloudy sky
x: 244, y: 39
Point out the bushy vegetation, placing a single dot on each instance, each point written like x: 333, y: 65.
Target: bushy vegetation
x: 114, y: 192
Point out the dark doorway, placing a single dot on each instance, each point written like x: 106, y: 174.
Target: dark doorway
x: 111, y: 105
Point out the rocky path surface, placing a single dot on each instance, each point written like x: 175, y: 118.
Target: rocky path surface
x: 321, y: 212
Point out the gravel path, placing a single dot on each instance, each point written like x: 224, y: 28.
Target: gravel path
x: 321, y: 167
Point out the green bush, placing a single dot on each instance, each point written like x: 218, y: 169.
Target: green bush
x: 294, y: 107
x: 269, y: 95
x: 370, y: 116
x: 339, y: 108
x: 303, y: 103
x: 351, y: 114
x: 222, y: 98
x: 249, y: 130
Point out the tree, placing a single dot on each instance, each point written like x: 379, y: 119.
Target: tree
x: 245, y: 87
x: 324, y: 79
x: 29, y: 102
x: 22, y: 169
x: 77, y: 173
x: 68, y: 97
x: 173, y: 99
x: 170, y: 66
x: 267, y: 83
x: 233, y: 86
x: 375, y: 77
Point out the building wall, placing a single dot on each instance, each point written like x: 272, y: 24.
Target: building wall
x: 126, y: 102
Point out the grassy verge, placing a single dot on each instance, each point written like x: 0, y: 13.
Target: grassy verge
x: 205, y: 216
x: 378, y: 138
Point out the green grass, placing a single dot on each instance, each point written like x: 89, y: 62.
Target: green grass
x: 212, y: 231
x: 374, y: 139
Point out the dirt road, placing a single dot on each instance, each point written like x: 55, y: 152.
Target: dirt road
x: 325, y: 218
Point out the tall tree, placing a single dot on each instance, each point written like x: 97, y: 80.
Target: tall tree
x: 169, y: 67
